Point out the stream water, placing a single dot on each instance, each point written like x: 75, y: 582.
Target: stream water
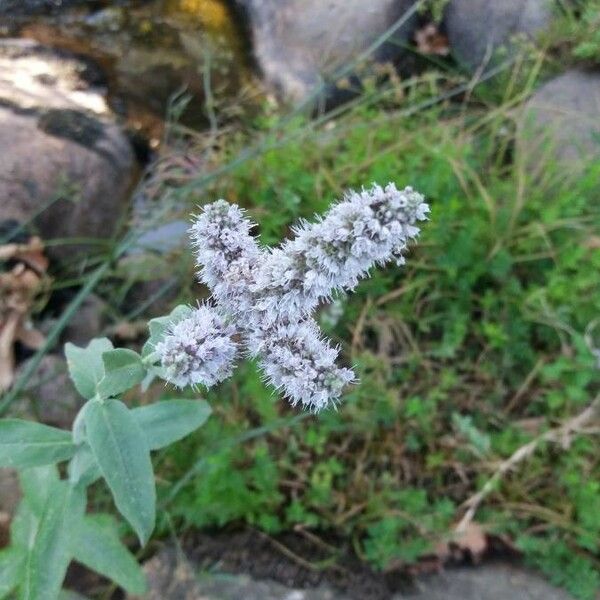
x: 149, y: 52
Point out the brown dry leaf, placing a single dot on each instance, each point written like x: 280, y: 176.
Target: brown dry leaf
x: 472, y: 540
x: 430, y: 41
x: 593, y: 242
x: 19, y: 288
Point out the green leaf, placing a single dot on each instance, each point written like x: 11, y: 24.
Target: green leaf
x: 96, y: 544
x: 36, y: 484
x: 83, y: 468
x: 50, y: 552
x: 23, y: 526
x: 159, y: 326
x: 12, y: 561
x: 166, y: 422
x: 28, y: 444
x: 85, y: 365
x: 123, y: 456
x: 123, y: 369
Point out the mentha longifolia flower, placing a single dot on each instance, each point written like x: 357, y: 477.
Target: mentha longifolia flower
x: 199, y: 349
x: 226, y: 253
x: 267, y: 295
x: 298, y: 361
x: 364, y: 229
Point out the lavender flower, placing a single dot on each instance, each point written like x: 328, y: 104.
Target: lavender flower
x: 364, y: 229
x: 198, y: 350
x: 298, y: 361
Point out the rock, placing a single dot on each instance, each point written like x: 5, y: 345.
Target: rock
x: 476, y: 28
x: 562, y: 120
x: 87, y: 322
x: 50, y: 396
x: 298, y: 44
x: 68, y: 159
x: 492, y: 582
x: 234, y: 587
x: 31, y: 7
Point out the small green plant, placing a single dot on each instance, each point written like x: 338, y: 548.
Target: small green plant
x: 108, y: 440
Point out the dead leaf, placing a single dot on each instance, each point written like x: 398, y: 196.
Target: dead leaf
x: 430, y: 41
x: 472, y: 539
x: 21, y: 283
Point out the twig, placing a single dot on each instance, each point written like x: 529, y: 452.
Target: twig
x: 558, y: 435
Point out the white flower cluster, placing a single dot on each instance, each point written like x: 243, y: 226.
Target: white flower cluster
x: 268, y: 294
x: 364, y: 229
x: 199, y: 349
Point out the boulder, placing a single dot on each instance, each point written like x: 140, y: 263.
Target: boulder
x: 561, y: 121
x: 477, y: 28
x: 65, y: 163
x: 300, y: 44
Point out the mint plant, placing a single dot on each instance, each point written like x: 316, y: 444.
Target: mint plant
x: 108, y: 440
x: 262, y: 304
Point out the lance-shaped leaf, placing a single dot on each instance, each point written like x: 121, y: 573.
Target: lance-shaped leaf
x: 28, y: 444
x: 96, y: 544
x: 85, y: 365
x: 83, y: 468
x: 123, y: 369
x: 122, y: 453
x: 36, y: 484
x: 49, y: 551
x: 12, y: 561
x: 166, y: 422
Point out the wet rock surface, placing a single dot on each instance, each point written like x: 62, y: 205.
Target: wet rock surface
x: 477, y: 28
x: 299, y: 44
x: 28, y: 7
x: 561, y: 121
x: 68, y: 165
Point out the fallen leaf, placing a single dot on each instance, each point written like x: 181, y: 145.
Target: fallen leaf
x: 472, y: 539
x: 430, y: 41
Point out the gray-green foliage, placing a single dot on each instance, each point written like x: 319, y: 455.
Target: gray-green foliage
x: 108, y: 440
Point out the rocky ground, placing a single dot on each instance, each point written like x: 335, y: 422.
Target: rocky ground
x: 173, y: 577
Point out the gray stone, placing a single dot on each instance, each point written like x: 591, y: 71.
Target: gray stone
x: 488, y: 582
x: 477, y: 28
x: 66, y: 163
x: 562, y: 121
x: 300, y: 43
x: 31, y: 7
x: 49, y: 396
x: 234, y: 587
